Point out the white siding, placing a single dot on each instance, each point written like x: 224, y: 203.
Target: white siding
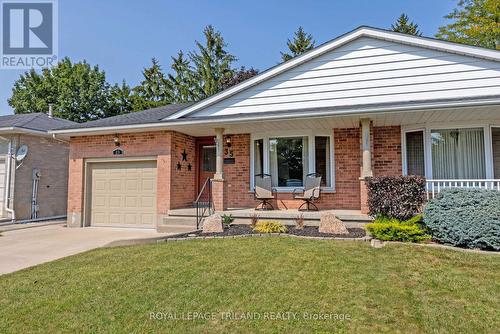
x: 367, y: 71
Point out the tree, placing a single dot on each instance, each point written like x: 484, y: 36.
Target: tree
x: 302, y: 42
x: 120, y: 100
x: 211, y: 63
x: 476, y: 22
x: 78, y: 91
x: 181, y: 83
x: 152, y: 90
x: 239, y: 76
x: 403, y: 25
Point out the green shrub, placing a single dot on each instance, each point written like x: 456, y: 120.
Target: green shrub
x: 270, y: 226
x: 392, y: 229
x: 465, y: 218
x: 398, y: 197
x: 227, y: 220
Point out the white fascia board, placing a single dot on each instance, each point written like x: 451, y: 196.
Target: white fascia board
x: 424, y: 42
x: 12, y: 130
x: 366, y: 111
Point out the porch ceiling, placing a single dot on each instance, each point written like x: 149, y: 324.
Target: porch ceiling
x: 468, y: 115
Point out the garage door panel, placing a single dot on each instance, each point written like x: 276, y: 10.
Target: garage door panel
x: 147, y: 219
x: 123, y: 194
x: 115, y: 202
x: 98, y: 218
x: 132, y: 202
x: 131, y: 185
x: 148, y: 201
x: 148, y: 185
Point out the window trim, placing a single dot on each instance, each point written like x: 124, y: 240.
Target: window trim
x: 428, y: 128
x: 311, y: 134
x: 490, y: 148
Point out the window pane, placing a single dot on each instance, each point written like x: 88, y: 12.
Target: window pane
x: 258, y: 157
x: 458, y: 154
x: 322, y: 158
x: 496, y: 151
x: 209, y: 158
x: 415, y: 153
x: 288, y: 159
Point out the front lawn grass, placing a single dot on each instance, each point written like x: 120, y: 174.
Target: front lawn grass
x: 399, y: 288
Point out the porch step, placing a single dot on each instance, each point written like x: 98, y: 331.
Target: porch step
x: 176, y: 224
x: 285, y: 215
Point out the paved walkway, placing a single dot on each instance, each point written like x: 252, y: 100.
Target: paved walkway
x: 31, y: 246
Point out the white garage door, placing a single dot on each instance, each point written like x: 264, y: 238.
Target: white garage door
x: 123, y: 194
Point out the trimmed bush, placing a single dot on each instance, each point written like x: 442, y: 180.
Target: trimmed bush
x: 398, y: 197
x: 270, y: 226
x: 465, y: 217
x: 227, y: 220
x: 392, y: 229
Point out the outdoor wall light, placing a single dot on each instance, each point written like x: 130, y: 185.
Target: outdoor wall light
x: 228, y: 141
x: 116, y: 140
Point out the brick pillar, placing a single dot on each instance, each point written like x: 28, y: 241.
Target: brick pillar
x: 363, y: 195
x: 75, y: 193
x: 219, y: 194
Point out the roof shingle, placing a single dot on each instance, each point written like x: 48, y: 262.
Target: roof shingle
x: 33, y: 121
x: 140, y: 117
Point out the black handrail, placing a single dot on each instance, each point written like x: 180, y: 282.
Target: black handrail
x: 202, y: 207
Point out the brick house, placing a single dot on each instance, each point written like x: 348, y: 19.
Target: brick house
x: 371, y: 102
x: 33, y: 168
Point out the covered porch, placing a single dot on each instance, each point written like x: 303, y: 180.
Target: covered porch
x: 451, y: 146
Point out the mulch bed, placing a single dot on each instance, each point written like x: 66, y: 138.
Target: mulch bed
x: 242, y: 229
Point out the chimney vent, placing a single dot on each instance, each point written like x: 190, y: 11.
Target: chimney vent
x: 50, y: 110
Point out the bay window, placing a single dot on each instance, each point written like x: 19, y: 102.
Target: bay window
x: 452, y: 153
x: 458, y: 154
x: 415, y: 153
x: 290, y: 158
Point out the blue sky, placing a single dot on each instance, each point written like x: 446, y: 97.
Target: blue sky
x: 122, y: 36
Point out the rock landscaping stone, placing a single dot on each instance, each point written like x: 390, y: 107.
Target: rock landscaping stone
x: 375, y: 243
x: 244, y: 230
x: 213, y: 224
x: 329, y: 223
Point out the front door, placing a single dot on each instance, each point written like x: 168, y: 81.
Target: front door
x: 206, y: 160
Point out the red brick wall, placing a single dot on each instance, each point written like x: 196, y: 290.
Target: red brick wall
x: 177, y: 188
x: 134, y: 145
x: 387, y: 151
x: 165, y: 145
x: 183, y: 181
x: 237, y: 175
x: 347, y: 169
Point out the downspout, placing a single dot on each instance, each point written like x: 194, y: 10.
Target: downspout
x: 58, y: 139
x: 7, y: 198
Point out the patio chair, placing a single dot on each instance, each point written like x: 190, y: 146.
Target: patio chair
x: 310, y: 193
x: 263, y: 192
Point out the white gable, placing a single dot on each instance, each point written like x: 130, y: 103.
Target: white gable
x: 366, y: 71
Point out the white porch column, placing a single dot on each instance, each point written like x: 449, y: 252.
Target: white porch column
x: 366, y: 147
x: 219, y: 147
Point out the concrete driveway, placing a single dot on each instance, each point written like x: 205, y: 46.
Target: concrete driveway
x: 31, y: 246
